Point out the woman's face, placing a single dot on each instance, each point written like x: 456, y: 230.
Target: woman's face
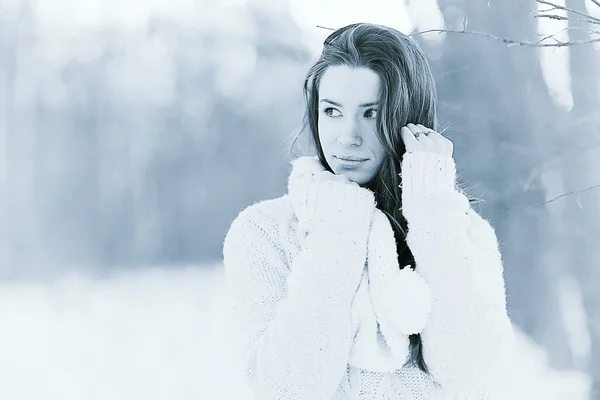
x: 347, y: 116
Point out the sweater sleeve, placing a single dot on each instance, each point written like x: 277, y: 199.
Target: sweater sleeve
x: 294, y: 320
x: 468, y: 333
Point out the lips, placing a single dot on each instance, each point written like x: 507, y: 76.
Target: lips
x: 351, y: 158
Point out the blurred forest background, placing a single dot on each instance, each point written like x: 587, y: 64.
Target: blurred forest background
x: 132, y: 135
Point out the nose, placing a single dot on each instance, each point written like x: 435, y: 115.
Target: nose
x: 350, y: 136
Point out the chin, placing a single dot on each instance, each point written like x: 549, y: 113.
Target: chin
x: 356, y: 176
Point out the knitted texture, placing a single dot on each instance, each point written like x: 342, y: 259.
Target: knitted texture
x: 296, y: 265
x: 390, y: 303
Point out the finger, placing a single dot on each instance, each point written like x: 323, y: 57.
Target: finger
x: 442, y: 143
x: 409, y: 139
x: 422, y: 134
x: 413, y: 129
x: 428, y: 131
x: 429, y: 137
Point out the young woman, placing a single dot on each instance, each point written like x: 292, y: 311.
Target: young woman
x: 372, y: 278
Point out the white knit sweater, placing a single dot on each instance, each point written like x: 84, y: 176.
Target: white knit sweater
x: 300, y: 267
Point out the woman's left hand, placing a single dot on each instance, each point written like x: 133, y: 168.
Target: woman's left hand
x: 420, y: 138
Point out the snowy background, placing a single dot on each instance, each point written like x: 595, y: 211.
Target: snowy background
x: 160, y: 334
x: 132, y: 133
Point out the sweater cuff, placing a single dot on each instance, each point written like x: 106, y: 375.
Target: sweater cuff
x: 425, y: 173
x: 346, y: 208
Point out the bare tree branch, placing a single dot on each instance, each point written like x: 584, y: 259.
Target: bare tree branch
x: 589, y: 19
x: 561, y: 18
x: 546, y: 38
x: 568, y: 28
x: 552, y: 16
x: 541, y: 11
x: 551, y: 36
x: 539, y: 14
x: 511, y: 42
x: 551, y: 200
x: 568, y: 9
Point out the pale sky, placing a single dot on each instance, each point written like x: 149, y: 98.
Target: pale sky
x: 406, y: 16
x: 63, y: 18
x: 411, y: 15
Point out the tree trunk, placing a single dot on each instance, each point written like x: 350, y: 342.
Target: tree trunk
x: 499, y: 141
x: 582, y: 170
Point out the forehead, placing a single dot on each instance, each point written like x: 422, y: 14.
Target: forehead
x: 349, y: 86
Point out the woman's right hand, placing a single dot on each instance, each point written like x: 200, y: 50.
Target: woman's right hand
x: 322, y: 198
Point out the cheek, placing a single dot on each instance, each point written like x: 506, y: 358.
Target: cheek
x: 326, y: 133
x: 375, y: 146
x: 380, y: 153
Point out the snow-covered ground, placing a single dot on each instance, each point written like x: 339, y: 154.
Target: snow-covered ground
x: 162, y: 334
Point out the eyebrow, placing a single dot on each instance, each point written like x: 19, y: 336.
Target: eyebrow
x: 339, y: 105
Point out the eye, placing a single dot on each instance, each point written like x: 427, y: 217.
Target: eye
x: 328, y: 111
x: 371, y: 113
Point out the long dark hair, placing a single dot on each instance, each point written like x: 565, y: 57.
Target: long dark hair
x: 407, y: 95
